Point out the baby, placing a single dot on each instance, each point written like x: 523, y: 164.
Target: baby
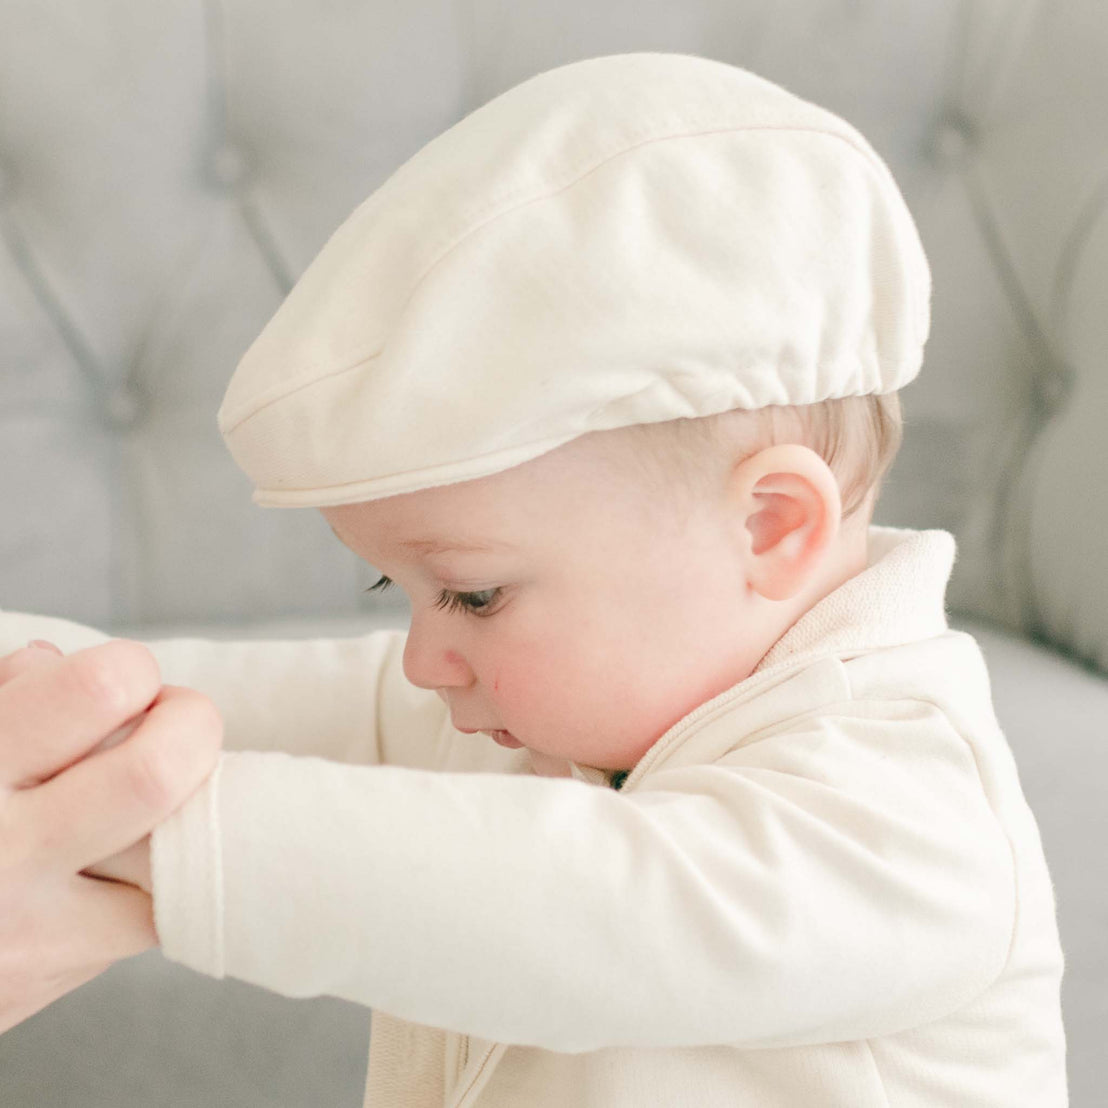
x: 608, y: 605
x: 679, y: 790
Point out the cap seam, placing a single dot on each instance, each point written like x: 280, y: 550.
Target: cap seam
x: 541, y: 444
x: 299, y: 384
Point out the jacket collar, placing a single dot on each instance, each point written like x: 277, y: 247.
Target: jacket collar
x: 900, y: 597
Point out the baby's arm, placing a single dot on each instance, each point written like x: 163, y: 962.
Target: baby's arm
x: 837, y: 882
x: 341, y: 699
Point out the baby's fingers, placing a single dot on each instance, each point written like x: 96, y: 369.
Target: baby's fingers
x: 105, y: 803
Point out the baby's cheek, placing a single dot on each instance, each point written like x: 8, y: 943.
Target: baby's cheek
x: 521, y: 689
x: 537, y: 690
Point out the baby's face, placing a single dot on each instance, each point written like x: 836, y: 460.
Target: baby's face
x: 564, y: 603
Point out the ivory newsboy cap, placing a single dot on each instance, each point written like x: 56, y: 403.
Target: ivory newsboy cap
x: 625, y: 239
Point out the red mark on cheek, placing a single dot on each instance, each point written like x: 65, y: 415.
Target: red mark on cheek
x: 496, y: 684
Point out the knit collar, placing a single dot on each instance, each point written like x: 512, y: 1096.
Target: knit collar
x: 900, y: 597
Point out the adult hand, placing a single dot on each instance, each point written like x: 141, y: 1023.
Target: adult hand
x: 62, y: 811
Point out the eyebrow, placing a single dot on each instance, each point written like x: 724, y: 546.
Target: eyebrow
x: 443, y: 546
x: 439, y: 546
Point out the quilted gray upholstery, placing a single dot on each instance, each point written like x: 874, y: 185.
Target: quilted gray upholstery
x: 168, y: 169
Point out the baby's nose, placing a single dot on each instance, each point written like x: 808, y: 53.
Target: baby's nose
x: 430, y: 665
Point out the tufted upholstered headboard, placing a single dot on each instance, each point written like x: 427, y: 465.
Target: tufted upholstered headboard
x: 167, y: 170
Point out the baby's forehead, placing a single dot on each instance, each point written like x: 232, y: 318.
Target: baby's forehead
x: 581, y: 479
x: 597, y: 458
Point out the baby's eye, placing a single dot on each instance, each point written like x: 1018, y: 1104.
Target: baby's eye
x: 476, y: 603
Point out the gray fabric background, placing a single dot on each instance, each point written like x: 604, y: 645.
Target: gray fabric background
x: 166, y: 172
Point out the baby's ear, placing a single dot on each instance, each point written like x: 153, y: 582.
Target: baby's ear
x: 789, y: 508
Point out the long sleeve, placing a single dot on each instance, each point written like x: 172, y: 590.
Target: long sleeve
x: 342, y: 699
x: 834, y: 880
x: 346, y: 700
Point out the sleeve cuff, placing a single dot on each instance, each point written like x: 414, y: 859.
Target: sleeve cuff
x: 186, y: 865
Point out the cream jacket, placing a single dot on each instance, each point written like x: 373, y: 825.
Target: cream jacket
x: 823, y: 887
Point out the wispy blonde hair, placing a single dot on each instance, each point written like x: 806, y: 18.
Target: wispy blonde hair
x: 857, y: 436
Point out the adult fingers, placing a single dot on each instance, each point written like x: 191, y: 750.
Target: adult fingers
x: 102, y: 805
x: 19, y: 661
x: 80, y: 923
x: 56, y: 710
x: 106, y: 921
x: 18, y: 1004
x: 82, y: 928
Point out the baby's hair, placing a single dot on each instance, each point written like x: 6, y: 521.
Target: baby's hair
x: 857, y: 436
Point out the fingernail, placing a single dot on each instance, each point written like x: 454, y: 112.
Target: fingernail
x: 42, y: 644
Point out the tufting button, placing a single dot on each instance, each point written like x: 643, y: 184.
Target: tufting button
x: 953, y: 138
x: 228, y: 166
x: 1053, y: 387
x: 122, y: 409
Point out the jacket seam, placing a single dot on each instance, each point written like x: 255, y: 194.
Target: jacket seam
x: 868, y: 1044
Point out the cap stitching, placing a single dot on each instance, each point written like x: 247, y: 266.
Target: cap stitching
x: 290, y: 389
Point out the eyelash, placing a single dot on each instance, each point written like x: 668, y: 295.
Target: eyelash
x: 452, y: 601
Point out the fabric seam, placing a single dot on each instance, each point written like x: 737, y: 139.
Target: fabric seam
x: 868, y: 1044
x: 362, y: 359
